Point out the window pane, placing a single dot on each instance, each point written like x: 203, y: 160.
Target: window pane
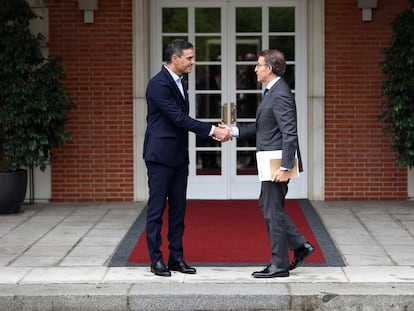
x: 208, y: 77
x: 246, y: 163
x: 282, y: 19
x: 174, y: 20
x: 208, y: 20
x: 208, y: 106
x: 208, y: 49
x: 208, y: 163
x: 247, y: 48
x: 248, y: 19
x: 247, y: 105
x: 290, y: 76
x: 246, y: 78
x: 286, y: 44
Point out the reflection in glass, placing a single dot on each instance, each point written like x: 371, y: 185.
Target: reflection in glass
x: 208, y: 48
x: 208, y: 106
x: 174, y: 20
x: 282, y: 19
x: 290, y: 76
x: 207, y: 20
x: 208, y: 77
x: 248, y: 19
x: 247, y: 48
x: 286, y: 44
x: 246, y: 163
x: 247, y: 104
x: 208, y: 163
x: 246, y: 78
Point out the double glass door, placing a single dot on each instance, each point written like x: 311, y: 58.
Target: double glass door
x: 228, y: 36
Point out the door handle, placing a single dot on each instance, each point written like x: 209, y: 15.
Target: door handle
x: 224, y: 113
x: 233, y: 111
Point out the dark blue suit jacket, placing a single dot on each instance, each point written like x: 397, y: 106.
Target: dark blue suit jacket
x: 168, y: 122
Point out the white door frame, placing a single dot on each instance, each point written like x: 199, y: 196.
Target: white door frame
x: 315, y: 95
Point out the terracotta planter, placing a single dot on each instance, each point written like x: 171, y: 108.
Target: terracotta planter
x: 12, y: 191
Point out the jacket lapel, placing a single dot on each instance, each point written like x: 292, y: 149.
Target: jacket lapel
x: 266, y: 98
x: 183, y: 100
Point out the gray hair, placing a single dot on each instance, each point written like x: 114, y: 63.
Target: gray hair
x: 176, y: 47
x: 276, y: 60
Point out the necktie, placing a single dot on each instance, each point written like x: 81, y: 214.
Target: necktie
x: 265, y: 92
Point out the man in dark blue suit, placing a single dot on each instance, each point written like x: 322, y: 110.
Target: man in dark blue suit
x: 166, y: 155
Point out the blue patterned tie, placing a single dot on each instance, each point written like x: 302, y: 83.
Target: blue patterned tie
x: 265, y: 92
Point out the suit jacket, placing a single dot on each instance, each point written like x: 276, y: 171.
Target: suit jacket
x: 276, y: 124
x: 168, y: 122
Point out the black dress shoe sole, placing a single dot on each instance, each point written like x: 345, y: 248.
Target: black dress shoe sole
x: 282, y: 274
x: 162, y: 273
x: 183, y: 271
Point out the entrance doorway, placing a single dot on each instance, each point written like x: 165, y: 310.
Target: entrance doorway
x: 228, y: 36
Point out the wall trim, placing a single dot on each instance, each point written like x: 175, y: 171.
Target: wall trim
x: 316, y: 100
x: 141, y: 75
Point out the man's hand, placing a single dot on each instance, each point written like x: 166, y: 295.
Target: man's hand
x: 280, y: 176
x: 222, y: 133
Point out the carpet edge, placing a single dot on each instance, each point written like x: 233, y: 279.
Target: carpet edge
x: 329, y: 249
x: 125, y: 247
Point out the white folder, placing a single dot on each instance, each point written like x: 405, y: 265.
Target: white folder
x: 269, y: 161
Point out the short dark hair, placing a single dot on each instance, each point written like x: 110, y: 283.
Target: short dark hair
x: 275, y: 59
x: 176, y: 47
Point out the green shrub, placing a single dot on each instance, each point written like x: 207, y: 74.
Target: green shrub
x: 398, y: 88
x: 33, y: 102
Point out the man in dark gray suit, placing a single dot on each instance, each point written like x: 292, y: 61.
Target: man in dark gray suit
x: 276, y: 129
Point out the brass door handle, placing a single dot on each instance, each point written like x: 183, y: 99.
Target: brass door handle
x: 224, y: 113
x: 233, y: 111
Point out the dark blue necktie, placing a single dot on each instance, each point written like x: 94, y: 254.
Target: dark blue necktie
x: 265, y: 92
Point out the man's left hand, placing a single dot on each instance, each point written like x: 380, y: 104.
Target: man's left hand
x: 280, y: 176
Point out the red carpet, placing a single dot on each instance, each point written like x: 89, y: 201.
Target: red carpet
x: 227, y: 231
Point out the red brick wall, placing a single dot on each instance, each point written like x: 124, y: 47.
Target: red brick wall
x: 97, y: 165
x: 359, y: 164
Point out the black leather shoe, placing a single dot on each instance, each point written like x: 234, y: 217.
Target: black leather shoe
x: 159, y: 268
x: 180, y: 266
x: 271, y: 271
x: 301, y: 253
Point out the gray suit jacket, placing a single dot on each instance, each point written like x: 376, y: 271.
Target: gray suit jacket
x: 276, y: 124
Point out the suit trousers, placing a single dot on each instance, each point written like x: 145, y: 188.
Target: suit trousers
x: 282, y: 232
x: 166, y: 183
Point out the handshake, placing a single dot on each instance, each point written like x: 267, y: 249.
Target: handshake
x: 222, y: 133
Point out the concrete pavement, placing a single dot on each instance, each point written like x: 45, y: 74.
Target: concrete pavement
x: 55, y: 256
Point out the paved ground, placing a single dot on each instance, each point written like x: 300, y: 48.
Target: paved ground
x: 55, y: 256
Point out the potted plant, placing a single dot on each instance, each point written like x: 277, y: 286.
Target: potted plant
x: 398, y: 88
x: 34, y: 105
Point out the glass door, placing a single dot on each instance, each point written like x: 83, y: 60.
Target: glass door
x: 228, y: 36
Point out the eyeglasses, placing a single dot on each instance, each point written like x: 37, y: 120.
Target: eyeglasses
x: 260, y: 65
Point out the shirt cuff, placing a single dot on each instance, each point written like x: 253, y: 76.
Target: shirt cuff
x: 235, y: 131
x: 212, y: 130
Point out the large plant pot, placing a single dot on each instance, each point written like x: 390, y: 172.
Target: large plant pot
x: 12, y: 191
